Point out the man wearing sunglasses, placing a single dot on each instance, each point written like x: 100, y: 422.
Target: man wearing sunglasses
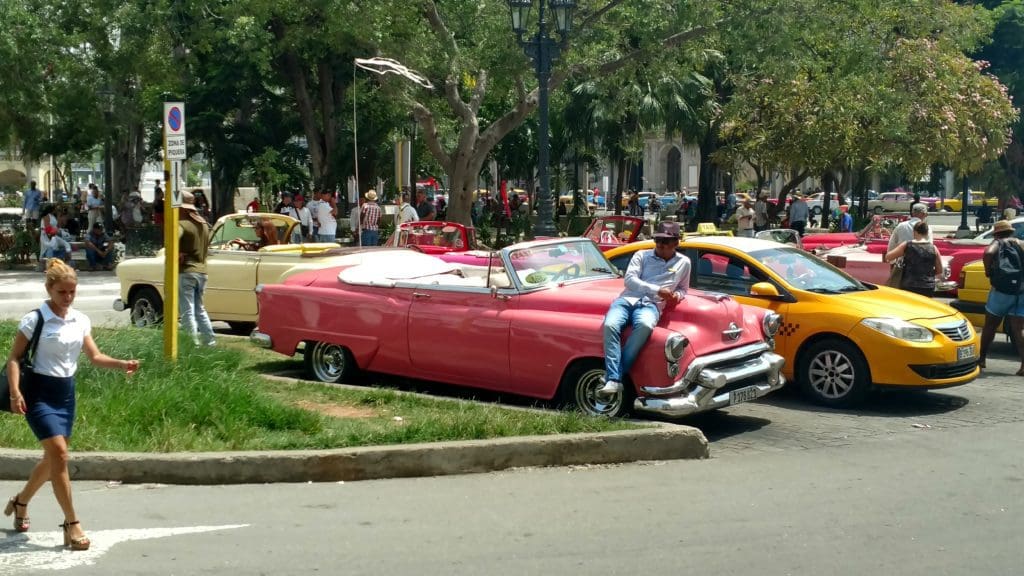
x: 654, y: 279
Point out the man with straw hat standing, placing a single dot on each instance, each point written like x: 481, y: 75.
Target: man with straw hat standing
x: 369, y: 220
x: 193, y: 242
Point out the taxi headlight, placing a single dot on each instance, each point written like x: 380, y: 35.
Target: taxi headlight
x: 675, y: 344
x: 899, y: 329
x: 771, y: 323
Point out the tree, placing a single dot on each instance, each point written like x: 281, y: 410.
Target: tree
x: 894, y: 89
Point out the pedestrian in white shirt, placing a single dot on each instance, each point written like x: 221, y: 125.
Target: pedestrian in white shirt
x: 407, y: 213
x: 300, y: 234
x: 313, y: 205
x: 904, y: 232
x: 327, y: 217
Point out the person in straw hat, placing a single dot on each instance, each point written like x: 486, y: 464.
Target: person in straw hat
x: 369, y: 220
x: 193, y: 243
x: 1003, y: 304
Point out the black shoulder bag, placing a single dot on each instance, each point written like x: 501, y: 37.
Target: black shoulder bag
x: 25, y: 365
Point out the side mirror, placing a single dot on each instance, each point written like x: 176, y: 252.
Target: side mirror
x: 764, y: 289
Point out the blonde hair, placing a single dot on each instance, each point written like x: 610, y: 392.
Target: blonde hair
x: 58, y: 271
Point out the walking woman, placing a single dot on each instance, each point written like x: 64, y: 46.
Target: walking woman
x: 48, y: 399
x: 921, y: 262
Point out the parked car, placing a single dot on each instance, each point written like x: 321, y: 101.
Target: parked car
x: 567, y: 201
x: 891, y: 202
x: 528, y: 322
x: 839, y: 336
x: 955, y: 203
x: 972, y: 293
x: 815, y: 203
x: 610, y: 231
x: 233, y: 271
x: 434, y: 237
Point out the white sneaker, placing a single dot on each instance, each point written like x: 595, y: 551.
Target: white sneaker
x: 610, y: 389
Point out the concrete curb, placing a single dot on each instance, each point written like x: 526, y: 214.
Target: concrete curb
x: 368, y: 463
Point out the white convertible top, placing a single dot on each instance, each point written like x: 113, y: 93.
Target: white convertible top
x: 386, y: 267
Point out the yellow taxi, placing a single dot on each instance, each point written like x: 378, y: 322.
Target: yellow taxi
x: 839, y: 336
x: 956, y: 203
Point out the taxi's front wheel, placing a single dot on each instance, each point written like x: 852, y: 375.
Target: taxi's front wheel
x: 833, y: 372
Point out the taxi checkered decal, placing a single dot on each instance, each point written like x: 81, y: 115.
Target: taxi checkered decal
x: 788, y: 329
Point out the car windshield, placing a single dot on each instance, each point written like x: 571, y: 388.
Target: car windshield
x: 537, y: 266
x: 245, y: 230
x: 806, y: 272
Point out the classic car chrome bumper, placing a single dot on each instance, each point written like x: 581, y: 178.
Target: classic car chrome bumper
x: 716, y: 381
x: 260, y: 339
x: 119, y: 305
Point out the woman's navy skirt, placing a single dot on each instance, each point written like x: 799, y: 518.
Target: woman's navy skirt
x: 51, y: 405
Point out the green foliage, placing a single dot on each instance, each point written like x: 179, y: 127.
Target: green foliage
x: 214, y: 399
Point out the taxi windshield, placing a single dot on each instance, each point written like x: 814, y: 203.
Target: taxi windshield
x: 806, y: 272
x: 546, y: 264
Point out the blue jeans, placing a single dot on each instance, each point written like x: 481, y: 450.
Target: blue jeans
x: 59, y: 253
x: 95, y: 259
x: 618, y: 359
x: 194, y: 319
x: 325, y: 237
x: 370, y: 237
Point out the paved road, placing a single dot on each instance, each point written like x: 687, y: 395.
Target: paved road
x: 914, y: 484
x: 858, y: 500
x: 22, y: 291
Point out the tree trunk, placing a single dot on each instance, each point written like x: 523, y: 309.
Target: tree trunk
x: 707, y: 201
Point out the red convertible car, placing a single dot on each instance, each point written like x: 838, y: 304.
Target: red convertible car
x: 611, y: 231
x: 434, y: 237
x: 528, y: 321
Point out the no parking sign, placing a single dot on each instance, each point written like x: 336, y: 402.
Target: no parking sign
x: 174, y: 128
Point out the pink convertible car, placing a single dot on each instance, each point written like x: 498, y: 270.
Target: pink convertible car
x: 527, y: 321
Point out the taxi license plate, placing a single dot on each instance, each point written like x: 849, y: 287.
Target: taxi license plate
x: 743, y: 395
x: 965, y: 352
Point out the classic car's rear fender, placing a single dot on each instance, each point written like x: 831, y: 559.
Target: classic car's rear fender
x: 356, y: 319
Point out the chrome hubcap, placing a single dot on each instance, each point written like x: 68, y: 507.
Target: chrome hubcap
x: 586, y: 394
x: 328, y: 361
x: 831, y: 374
x: 144, y: 313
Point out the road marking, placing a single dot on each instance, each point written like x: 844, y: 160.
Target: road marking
x: 45, y: 550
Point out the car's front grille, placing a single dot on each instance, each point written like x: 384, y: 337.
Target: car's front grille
x: 943, y: 371
x: 956, y: 332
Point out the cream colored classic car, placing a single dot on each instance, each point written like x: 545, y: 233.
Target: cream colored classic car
x: 239, y: 259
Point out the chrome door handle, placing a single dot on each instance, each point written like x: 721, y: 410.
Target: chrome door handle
x: 420, y: 295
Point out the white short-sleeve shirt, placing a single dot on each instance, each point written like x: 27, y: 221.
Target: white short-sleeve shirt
x: 60, y: 342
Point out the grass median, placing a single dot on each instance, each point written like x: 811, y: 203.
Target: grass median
x: 215, y: 399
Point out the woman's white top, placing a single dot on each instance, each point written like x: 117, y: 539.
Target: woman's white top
x: 60, y: 342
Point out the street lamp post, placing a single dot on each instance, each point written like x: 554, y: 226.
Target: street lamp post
x: 542, y: 49
x: 964, y: 197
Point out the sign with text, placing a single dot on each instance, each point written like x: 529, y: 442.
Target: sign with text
x: 174, y: 129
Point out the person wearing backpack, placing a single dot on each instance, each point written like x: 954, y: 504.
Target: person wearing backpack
x: 921, y: 262
x: 1004, y: 266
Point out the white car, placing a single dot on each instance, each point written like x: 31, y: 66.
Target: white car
x: 814, y: 203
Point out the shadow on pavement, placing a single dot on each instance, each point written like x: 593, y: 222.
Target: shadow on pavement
x: 720, y: 424
x: 884, y: 402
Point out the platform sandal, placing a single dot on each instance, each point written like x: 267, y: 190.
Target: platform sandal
x: 20, y: 522
x: 80, y: 543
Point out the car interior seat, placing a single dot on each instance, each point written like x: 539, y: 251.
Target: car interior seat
x: 704, y: 267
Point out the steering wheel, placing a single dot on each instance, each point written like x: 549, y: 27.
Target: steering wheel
x: 244, y: 245
x: 563, y: 274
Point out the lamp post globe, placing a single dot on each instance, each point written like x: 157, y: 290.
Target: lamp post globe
x: 542, y: 49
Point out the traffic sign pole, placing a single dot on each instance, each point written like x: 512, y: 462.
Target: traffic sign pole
x: 174, y: 149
